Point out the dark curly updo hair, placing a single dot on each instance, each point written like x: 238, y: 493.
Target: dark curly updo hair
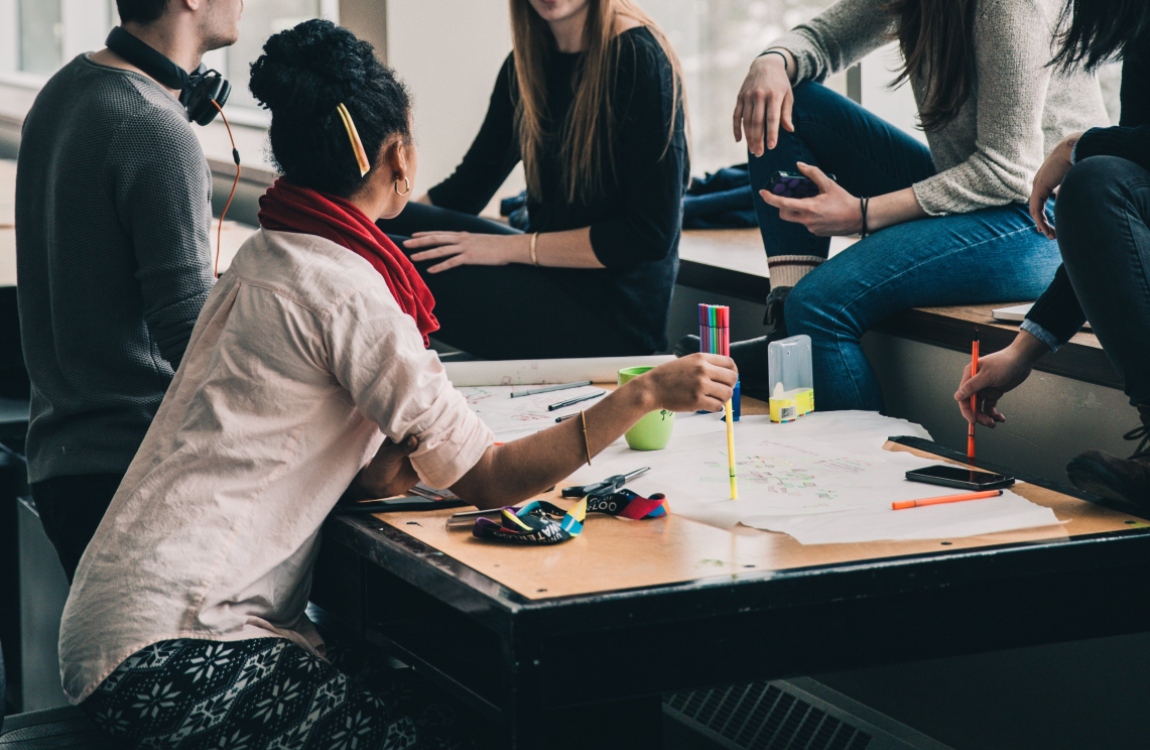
x: 303, y: 74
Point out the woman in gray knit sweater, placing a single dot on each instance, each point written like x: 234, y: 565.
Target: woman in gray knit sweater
x: 942, y: 225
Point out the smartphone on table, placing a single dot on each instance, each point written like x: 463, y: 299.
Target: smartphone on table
x: 793, y: 185
x: 957, y: 476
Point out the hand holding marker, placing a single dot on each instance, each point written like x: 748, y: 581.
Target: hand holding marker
x: 973, y: 400
x: 715, y: 334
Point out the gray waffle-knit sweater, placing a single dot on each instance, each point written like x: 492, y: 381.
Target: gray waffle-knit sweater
x: 113, y: 260
x: 1020, y: 108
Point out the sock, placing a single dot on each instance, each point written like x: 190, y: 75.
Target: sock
x: 787, y: 270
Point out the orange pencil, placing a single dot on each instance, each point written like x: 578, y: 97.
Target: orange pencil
x: 973, y: 398
x: 945, y: 499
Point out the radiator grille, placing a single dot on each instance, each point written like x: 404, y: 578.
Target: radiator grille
x: 765, y: 716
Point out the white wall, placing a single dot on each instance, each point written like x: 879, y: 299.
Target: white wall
x: 86, y: 27
x: 9, y: 41
x: 449, y: 53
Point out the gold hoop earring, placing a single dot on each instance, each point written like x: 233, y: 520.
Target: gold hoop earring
x: 406, y: 185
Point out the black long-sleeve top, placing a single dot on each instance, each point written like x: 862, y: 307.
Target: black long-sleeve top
x: 635, y: 221
x: 1057, y: 313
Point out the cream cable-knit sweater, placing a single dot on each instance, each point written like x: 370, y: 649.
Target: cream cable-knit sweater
x: 1020, y: 109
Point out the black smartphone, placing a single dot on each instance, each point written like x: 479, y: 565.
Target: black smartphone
x: 793, y: 185
x: 956, y: 476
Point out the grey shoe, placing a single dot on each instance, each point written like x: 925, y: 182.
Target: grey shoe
x: 1123, y: 480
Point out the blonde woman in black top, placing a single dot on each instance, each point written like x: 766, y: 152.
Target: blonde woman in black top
x: 590, y: 101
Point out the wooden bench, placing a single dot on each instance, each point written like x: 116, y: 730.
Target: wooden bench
x: 732, y: 262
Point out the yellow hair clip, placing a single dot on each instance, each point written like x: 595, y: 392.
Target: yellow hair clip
x: 356, y: 143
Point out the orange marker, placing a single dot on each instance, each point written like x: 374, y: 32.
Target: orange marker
x: 973, y: 399
x: 945, y: 499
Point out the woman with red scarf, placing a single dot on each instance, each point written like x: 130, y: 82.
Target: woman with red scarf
x: 307, y: 376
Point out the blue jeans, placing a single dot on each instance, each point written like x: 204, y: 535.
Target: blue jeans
x: 989, y: 255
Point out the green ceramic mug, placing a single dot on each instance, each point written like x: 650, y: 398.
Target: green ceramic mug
x: 653, y: 431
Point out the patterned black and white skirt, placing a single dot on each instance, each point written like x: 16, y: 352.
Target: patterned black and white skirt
x: 264, y: 694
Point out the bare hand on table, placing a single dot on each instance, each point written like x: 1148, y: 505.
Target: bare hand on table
x: 467, y: 249
x: 832, y: 213
x: 765, y: 101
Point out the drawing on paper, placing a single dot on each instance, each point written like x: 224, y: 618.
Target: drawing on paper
x: 778, y: 475
x: 511, y: 418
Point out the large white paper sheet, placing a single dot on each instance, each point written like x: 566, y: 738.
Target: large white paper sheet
x: 823, y: 479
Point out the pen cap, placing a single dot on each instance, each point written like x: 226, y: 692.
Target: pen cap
x: 789, y: 363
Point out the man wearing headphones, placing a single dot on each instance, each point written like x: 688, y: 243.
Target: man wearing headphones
x: 113, y: 211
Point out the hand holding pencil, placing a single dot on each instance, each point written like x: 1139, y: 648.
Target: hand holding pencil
x: 998, y: 374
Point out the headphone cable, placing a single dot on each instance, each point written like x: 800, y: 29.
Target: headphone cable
x: 235, y: 184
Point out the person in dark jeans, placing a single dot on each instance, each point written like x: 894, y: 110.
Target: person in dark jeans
x: 113, y: 212
x: 1102, y: 224
x: 601, y: 132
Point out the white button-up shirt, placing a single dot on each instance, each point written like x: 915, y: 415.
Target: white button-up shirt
x: 299, y: 365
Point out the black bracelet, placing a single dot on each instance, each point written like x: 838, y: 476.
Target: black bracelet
x: 864, y: 204
x: 786, y: 64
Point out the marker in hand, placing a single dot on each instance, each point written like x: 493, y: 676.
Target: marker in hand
x: 973, y: 400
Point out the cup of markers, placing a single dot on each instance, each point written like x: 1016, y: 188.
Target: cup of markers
x: 653, y: 431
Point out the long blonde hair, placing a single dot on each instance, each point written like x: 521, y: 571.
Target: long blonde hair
x: 586, y: 136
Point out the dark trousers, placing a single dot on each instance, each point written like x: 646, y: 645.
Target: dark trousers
x: 70, y: 509
x: 1101, y: 216
x: 506, y: 312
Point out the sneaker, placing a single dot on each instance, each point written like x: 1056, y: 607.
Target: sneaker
x: 1123, y: 480
x: 750, y: 357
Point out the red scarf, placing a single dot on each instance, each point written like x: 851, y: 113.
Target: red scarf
x: 289, y: 208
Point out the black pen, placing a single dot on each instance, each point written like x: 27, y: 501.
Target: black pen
x: 577, y: 399
x: 565, y: 417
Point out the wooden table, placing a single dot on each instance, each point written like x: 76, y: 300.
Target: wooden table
x: 580, y: 639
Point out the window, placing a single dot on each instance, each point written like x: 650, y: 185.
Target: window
x: 716, y: 41
x: 40, y: 36
x: 261, y: 19
x: 37, y: 37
